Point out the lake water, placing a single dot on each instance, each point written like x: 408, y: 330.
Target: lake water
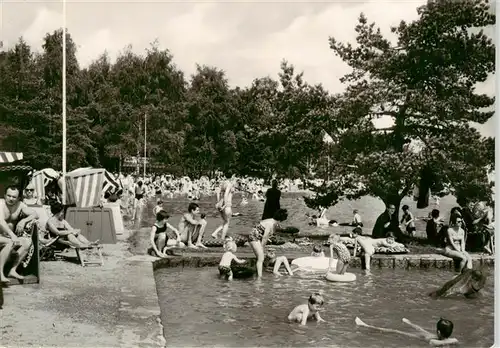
x: 198, y: 309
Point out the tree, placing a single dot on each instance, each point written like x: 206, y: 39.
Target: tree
x: 285, y: 122
x: 210, y: 140
x: 426, y: 85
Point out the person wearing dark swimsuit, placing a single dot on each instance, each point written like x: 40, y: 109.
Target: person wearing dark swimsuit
x: 160, y: 238
x: 58, y: 227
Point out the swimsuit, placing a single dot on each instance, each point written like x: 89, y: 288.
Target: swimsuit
x: 455, y: 237
x: 343, y: 253
x: 170, y: 235
x: 257, y: 233
x: 139, y: 193
x: 225, y: 271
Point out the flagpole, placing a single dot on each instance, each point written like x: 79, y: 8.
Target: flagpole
x: 64, y: 103
x: 145, y: 144
x: 328, y: 168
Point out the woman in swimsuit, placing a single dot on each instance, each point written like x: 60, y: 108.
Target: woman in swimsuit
x: 225, y: 209
x: 58, y: 227
x: 159, y: 235
x: 455, y: 243
x: 260, y: 234
x: 139, y: 191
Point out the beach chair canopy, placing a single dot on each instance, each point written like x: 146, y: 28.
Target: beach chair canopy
x: 13, y: 170
x: 42, y: 178
x: 9, y: 157
x: 85, y: 186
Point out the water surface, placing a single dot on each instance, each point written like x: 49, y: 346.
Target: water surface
x: 198, y: 309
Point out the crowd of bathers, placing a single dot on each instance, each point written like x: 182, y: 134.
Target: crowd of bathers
x: 384, y: 235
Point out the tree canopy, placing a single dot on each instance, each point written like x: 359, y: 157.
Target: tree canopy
x: 424, y: 78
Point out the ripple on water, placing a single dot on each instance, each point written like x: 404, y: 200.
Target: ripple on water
x: 209, y: 311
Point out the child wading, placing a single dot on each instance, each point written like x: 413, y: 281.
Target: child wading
x: 225, y: 262
x: 308, y: 310
x: 340, y: 252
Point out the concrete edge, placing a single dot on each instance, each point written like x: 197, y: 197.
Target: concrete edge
x: 404, y: 261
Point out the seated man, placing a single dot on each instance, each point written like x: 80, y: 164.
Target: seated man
x: 190, y: 228
x: 14, y: 217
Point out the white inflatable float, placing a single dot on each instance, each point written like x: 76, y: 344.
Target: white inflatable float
x: 313, y: 263
x: 341, y: 278
x: 321, y: 264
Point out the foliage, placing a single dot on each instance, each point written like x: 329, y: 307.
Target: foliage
x: 426, y: 85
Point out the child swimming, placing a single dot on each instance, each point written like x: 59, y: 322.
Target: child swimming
x: 318, y: 251
x: 274, y: 263
x: 308, y: 310
x: 340, y: 252
x: 444, y: 329
x: 225, y: 262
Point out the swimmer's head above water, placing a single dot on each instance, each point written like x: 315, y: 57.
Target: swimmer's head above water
x: 317, y: 249
x: 444, y: 328
x: 315, y: 302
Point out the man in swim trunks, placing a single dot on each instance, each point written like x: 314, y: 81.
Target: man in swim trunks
x: 190, y: 227
x: 14, y: 215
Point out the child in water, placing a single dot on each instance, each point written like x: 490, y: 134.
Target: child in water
x: 318, y: 251
x: 308, y: 310
x: 271, y: 261
x: 338, y: 251
x: 225, y: 262
x: 444, y: 329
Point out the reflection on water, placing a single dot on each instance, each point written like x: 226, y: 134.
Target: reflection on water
x: 198, y: 309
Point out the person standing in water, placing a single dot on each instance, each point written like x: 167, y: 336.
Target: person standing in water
x: 224, y: 206
x: 272, y: 204
x: 260, y: 235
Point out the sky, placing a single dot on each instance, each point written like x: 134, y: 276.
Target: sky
x: 246, y: 39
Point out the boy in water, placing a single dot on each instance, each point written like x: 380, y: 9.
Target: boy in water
x: 308, y: 310
x: 444, y: 329
x: 273, y: 263
x: 225, y: 262
x: 318, y: 251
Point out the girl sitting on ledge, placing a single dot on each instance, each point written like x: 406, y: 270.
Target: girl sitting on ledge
x: 158, y: 236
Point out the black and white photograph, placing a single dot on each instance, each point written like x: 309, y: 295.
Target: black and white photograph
x: 247, y: 173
